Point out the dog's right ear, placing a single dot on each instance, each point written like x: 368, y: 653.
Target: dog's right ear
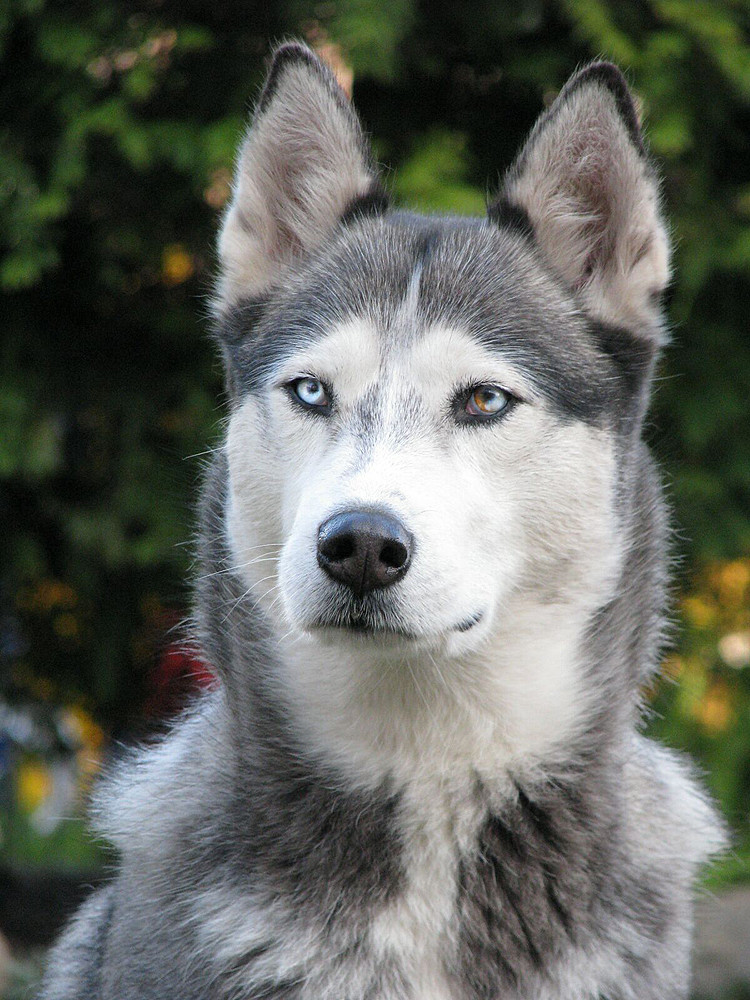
x: 584, y: 183
x: 304, y: 164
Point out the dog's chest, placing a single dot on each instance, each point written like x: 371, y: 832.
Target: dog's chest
x: 489, y: 898
x: 417, y: 930
x: 494, y: 897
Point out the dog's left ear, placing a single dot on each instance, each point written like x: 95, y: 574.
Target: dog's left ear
x: 304, y: 163
x: 585, y: 183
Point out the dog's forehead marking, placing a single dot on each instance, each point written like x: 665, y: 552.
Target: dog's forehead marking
x: 408, y: 310
x: 403, y: 277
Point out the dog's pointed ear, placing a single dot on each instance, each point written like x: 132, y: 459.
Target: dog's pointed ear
x: 585, y: 183
x: 303, y: 165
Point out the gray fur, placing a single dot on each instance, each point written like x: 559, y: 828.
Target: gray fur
x: 254, y: 862
x: 483, y: 267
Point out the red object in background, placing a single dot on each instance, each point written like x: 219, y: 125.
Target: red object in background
x: 179, y: 673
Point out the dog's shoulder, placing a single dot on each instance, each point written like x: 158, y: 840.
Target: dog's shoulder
x: 671, y: 822
x: 74, y: 966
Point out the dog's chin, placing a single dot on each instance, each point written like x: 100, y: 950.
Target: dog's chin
x: 388, y: 633
x: 341, y: 636
x: 362, y: 629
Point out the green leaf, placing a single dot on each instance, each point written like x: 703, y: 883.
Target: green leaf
x: 432, y: 177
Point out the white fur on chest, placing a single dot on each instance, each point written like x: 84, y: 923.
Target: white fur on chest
x: 417, y: 931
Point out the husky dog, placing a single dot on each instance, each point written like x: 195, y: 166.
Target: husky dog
x: 432, y: 587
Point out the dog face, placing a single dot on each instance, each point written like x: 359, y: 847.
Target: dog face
x: 429, y: 414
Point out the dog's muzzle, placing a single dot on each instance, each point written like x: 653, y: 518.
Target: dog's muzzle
x: 364, y: 549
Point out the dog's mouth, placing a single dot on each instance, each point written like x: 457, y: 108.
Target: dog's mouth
x: 366, y: 625
x: 363, y: 624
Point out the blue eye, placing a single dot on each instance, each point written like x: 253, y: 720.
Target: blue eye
x: 486, y: 401
x: 311, y: 392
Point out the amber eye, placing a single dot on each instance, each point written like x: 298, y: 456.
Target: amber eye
x: 486, y: 401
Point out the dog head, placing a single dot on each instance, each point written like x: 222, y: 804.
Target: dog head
x: 429, y: 414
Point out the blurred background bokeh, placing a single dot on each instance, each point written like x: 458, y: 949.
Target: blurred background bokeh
x: 118, y: 126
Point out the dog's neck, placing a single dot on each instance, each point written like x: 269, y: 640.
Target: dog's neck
x: 378, y: 713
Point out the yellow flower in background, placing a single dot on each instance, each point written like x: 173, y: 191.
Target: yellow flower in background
x: 87, y: 733
x: 90, y: 738
x: 176, y: 265
x: 700, y: 611
x: 714, y: 710
x: 33, y: 785
x: 733, y: 582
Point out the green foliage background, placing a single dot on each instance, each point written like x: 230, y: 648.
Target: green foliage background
x: 119, y: 123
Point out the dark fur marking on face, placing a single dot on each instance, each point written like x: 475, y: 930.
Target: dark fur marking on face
x: 253, y: 353
x: 232, y: 331
x: 236, y: 324
x: 632, y: 356
x: 572, y: 393
x: 503, y: 212
x: 363, y: 422
x: 373, y: 203
x: 426, y: 245
x: 476, y: 279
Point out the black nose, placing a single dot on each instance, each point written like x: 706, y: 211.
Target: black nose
x: 364, y: 549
